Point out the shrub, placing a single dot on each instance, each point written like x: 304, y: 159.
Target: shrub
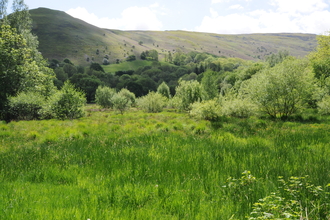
x: 238, y: 107
x: 68, y: 103
x: 281, y: 90
x: 164, y: 90
x: 129, y: 95
x: 324, y: 105
x: 206, y: 110
x: 296, y: 198
x: 26, y: 106
x: 153, y: 102
x: 103, y: 96
x: 121, y: 102
x: 188, y: 92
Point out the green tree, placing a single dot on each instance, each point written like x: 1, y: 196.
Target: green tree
x: 121, y: 103
x: 14, y: 57
x: 209, y: 85
x: 152, y: 102
x: 281, y: 90
x: 18, y: 70
x: 103, y: 96
x: 68, y: 103
x: 277, y: 58
x: 131, y: 58
x: 188, y: 92
x: 87, y: 84
x: 320, y: 60
x: 97, y: 67
x: 69, y: 69
x: 22, y: 67
x: 129, y: 95
x: 164, y: 90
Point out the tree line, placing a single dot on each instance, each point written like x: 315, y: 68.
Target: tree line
x: 204, y: 85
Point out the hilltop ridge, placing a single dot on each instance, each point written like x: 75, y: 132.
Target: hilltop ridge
x: 63, y: 36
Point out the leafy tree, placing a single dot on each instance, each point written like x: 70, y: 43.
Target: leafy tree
x: 277, y: 58
x: 179, y: 58
x: 97, y: 67
x: 209, y: 84
x: 129, y: 95
x: 136, y: 88
x: 13, y: 58
x: 87, y: 84
x: 67, y: 61
x: 121, y: 102
x: 188, y: 92
x: 206, y: 110
x: 103, y: 96
x: 131, y: 58
x: 105, y: 61
x: 21, y: 20
x: 152, y: 55
x: 69, y: 69
x: 320, y: 59
x: 153, y: 102
x: 18, y: 70
x: 22, y: 68
x: 147, y: 84
x: 324, y: 105
x: 60, y: 74
x: 149, y: 55
x: 26, y: 106
x: 68, y: 103
x: 281, y: 90
x: 164, y: 90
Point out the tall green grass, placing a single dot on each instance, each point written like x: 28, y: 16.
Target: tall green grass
x: 152, y: 166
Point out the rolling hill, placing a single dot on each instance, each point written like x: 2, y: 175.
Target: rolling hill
x: 62, y: 36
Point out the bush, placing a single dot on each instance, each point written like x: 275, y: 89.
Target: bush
x: 103, y: 96
x: 121, y: 102
x: 237, y: 107
x: 164, y: 90
x: 68, y: 103
x: 26, y: 106
x: 153, y: 102
x: 188, y: 92
x: 324, y: 105
x: 129, y: 95
x: 206, y: 110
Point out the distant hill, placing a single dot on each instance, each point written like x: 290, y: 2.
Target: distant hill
x: 62, y: 36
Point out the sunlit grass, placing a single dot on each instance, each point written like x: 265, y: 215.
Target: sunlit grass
x: 151, y: 166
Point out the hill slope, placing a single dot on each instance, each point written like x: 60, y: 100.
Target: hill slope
x: 62, y: 36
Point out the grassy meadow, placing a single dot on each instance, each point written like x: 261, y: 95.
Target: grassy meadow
x: 125, y: 66
x: 157, y: 166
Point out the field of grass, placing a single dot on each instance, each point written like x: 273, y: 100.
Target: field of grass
x: 124, y: 66
x: 156, y: 166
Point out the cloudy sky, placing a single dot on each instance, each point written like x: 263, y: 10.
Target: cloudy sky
x: 215, y: 16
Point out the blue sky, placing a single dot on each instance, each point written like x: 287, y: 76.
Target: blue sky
x: 214, y: 16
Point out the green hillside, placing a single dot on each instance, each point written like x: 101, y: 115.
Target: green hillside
x: 62, y: 36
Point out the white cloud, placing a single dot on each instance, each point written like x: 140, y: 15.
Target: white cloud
x: 299, y: 6
x: 294, y: 16
x: 214, y: 13
x: 133, y: 18
x: 237, y: 6
x: 217, y: 1
x: 222, y: 1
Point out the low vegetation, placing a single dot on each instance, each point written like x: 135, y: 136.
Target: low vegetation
x: 164, y: 166
x: 195, y: 137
